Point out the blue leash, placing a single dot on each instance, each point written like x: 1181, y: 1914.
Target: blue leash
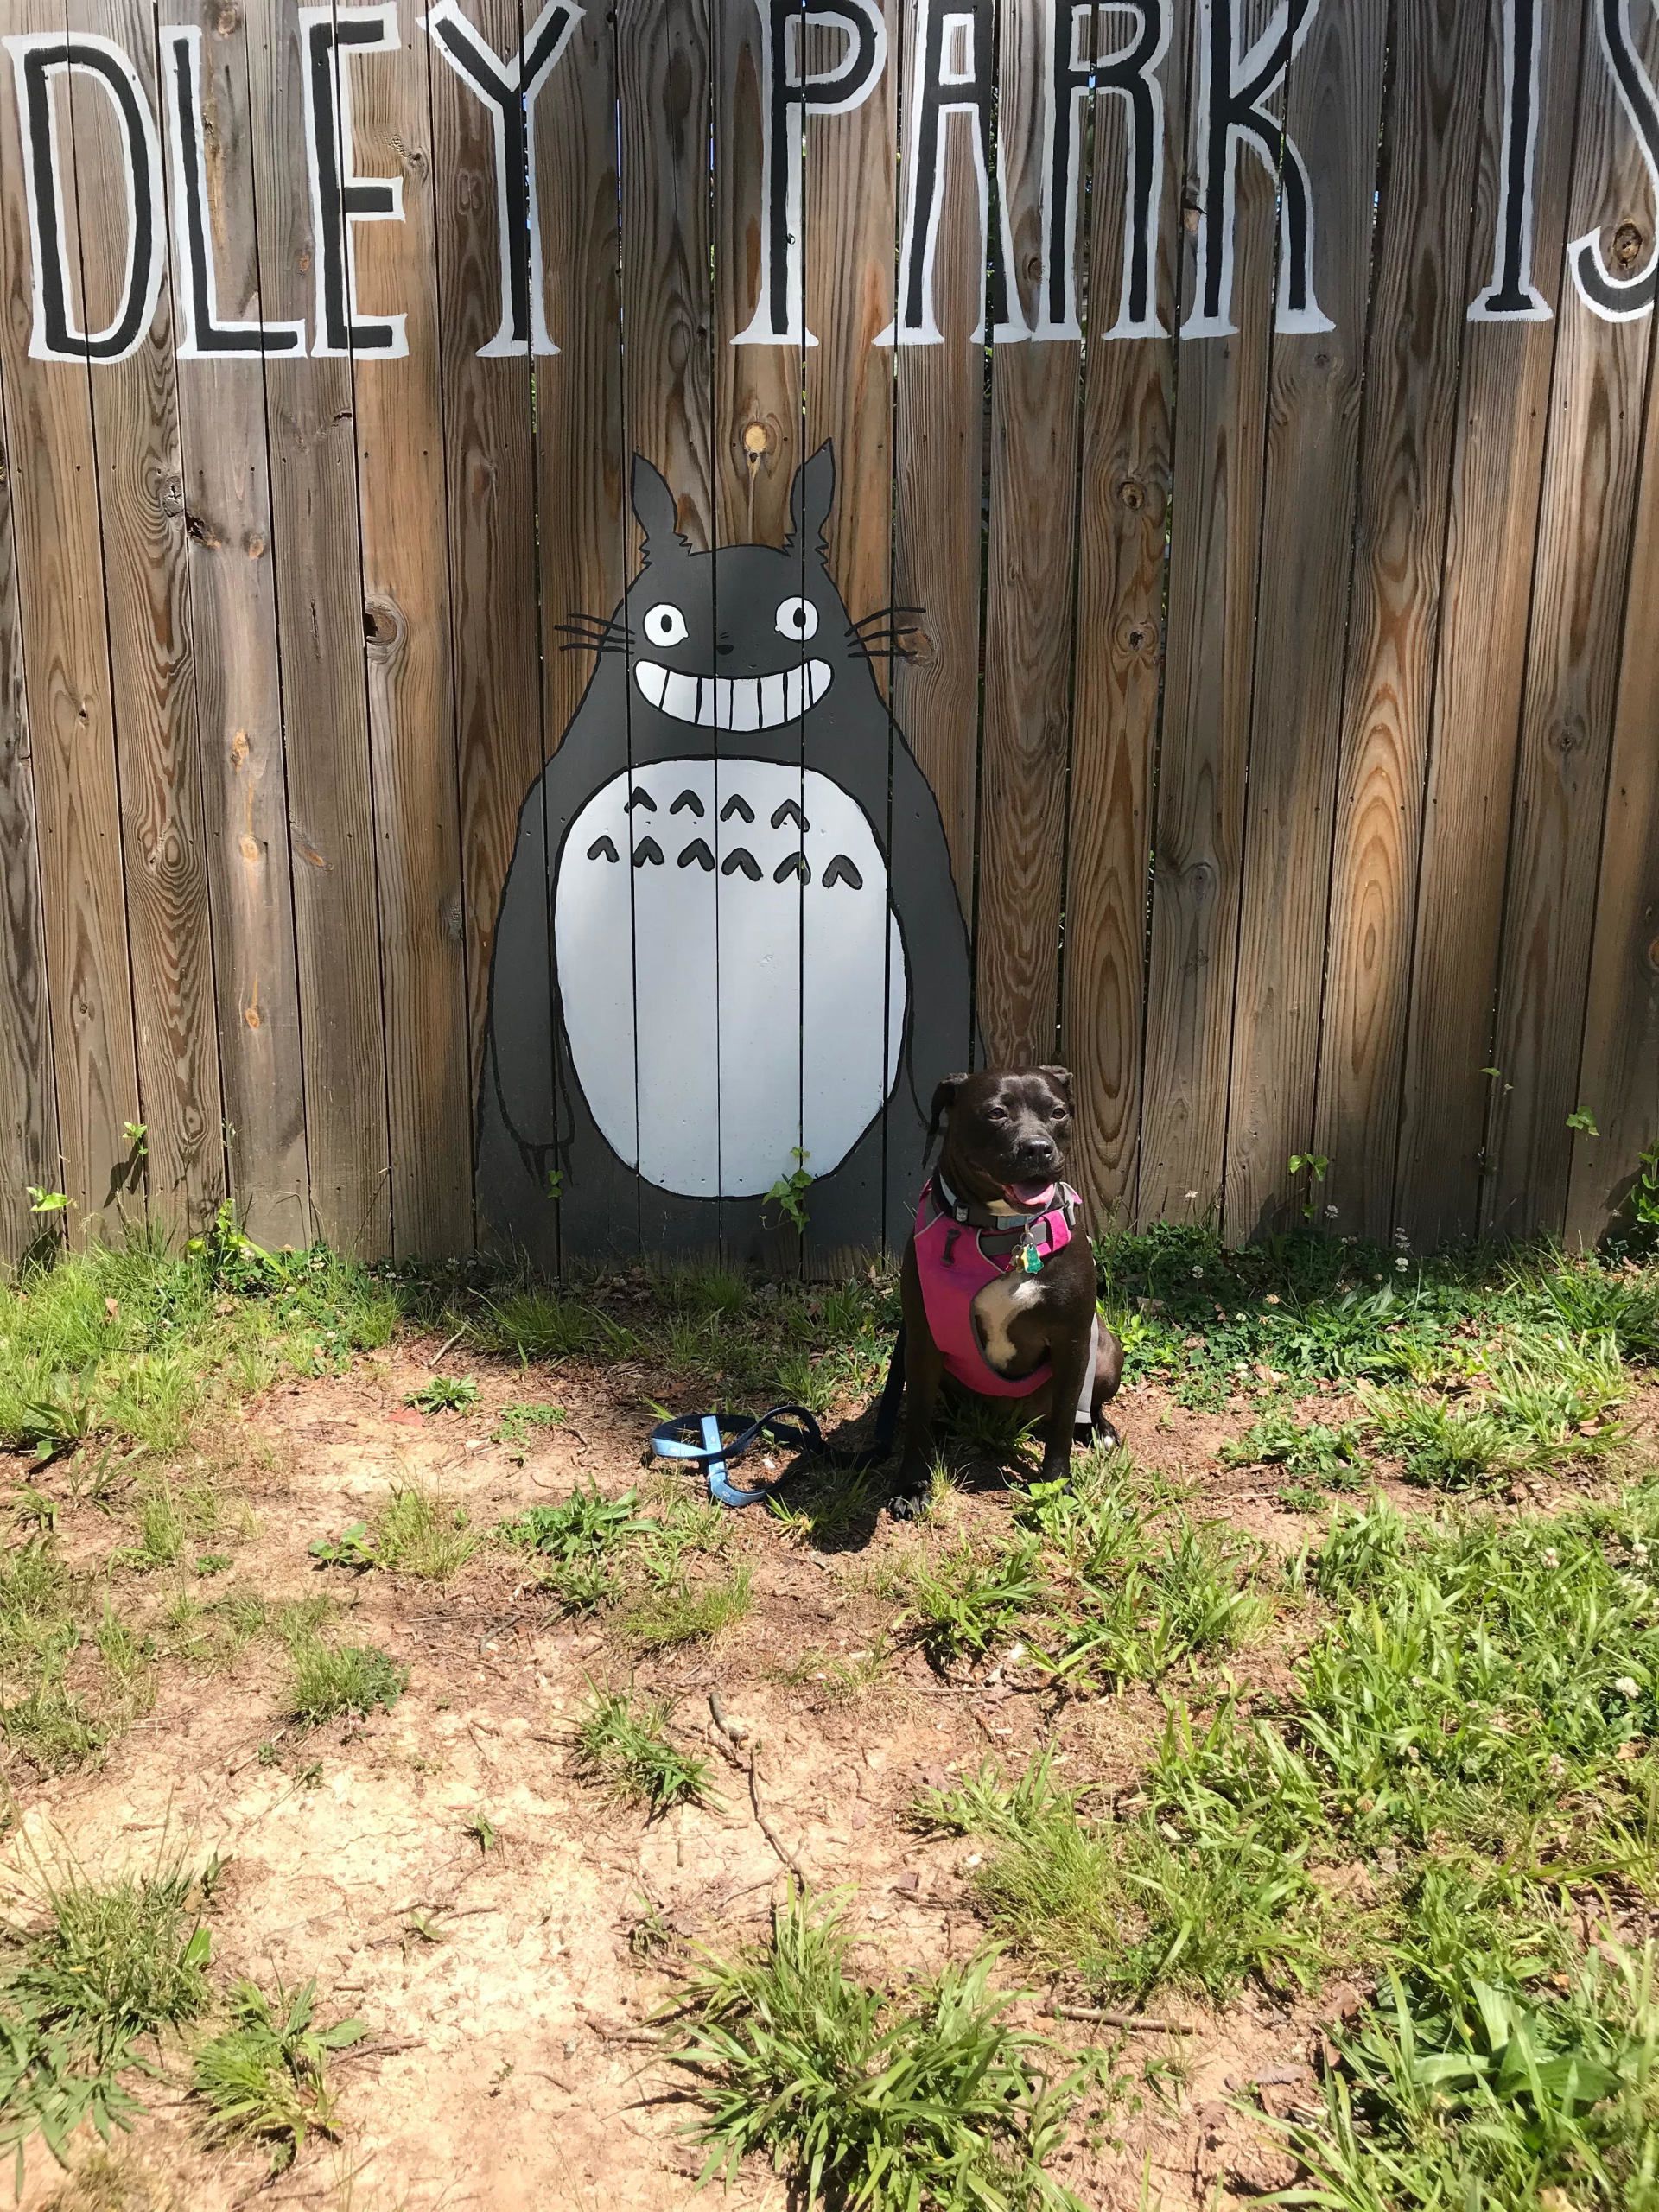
x: 713, y: 1441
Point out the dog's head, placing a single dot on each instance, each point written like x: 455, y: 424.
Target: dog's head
x: 1005, y: 1134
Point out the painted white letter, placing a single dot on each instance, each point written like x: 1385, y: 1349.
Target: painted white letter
x: 1512, y: 296
x: 38, y: 58
x: 1231, y: 87
x: 509, y: 90
x: 339, y: 196
x: 1621, y: 299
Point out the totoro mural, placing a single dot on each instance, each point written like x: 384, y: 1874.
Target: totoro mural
x: 729, y: 932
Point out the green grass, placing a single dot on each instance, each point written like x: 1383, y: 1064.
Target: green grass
x: 1311, y: 1452
x: 419, y: 1535
x: 861, y: 2097
x: 678, y: 1612
x: 87, y: 1982
x: 340, y: 1682
x: 73, y: 1674
x: 625, y: 1745
x: 264, y: 2080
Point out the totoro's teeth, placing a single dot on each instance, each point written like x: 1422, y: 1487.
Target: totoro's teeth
x: 733, y: 702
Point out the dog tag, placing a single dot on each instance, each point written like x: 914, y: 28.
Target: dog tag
x: 1032, y: 1258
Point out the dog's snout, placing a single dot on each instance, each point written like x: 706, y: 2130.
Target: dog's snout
x: 1039, y: 1152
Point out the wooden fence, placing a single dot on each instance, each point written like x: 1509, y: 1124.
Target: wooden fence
x: 1253, y: 405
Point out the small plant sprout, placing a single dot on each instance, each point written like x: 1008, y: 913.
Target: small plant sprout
x: 1583, y: 1122
x: 444, y: 1394
x: 789, y: 1192
x: 1314, y: 1166
x: 264, y: 2080
x: 353, y: 1548
x: 44, y: 1201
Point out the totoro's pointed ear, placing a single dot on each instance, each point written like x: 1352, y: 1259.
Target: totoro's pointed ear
x: 943, y: 1098
x: 653, y: 504
x: 812, y: 495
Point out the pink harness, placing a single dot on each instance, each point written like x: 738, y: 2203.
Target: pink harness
x: 954, y: 1267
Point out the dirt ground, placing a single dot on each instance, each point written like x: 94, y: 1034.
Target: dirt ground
x: 505, y: 1989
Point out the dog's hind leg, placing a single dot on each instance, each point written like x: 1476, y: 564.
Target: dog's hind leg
x: 1109, y: 1368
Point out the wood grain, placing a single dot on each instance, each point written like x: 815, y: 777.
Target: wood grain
x: 1036, y: 393
x: 401, y: 504
x: 1485, y: 595
x: 28, y: 1107
x: 757, y: 398
x: 67, y: 681
x: 1215, y: 544
x: 1619, y: 1078
x: 1596, y: 406
x: 321, y: 615
x: 850, y: 206
x: 1332, y: 112
x: 243, y: 772
x: 1126, y: 458
x: 1418, y: 310
x: 582, y: 450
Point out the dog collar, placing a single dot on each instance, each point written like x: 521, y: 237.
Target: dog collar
x: 1061, y: 1198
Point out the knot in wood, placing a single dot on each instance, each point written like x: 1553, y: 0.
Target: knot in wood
x: 227, y: 19
x: 170, y: 493
x: 1131, y: 492
x: 1628, y: 243
x: 757, y: 440
x: 383, y: 625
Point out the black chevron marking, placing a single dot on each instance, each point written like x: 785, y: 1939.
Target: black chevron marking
x: 737, y: 805
x: 650, y: 850
x: 795, y: 865
x: 745, y: 860
x: 789, y: 812
x: 602, y: 845
x: 639, y: 799
x: 691, y: 799
x: 696, y: 850
x: 841, y: 870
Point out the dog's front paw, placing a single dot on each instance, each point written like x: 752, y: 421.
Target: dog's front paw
x: 908, y: 1505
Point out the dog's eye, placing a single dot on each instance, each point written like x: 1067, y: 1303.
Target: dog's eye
x: 665, y: 625
x: 995, y: 1114
x: 797, y: 617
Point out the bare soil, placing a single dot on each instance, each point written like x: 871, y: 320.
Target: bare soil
x: 506, y: 1989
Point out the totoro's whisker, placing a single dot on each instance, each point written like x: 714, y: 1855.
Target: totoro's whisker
x: 596, y: 625
x: 593, y: 645
x: 880, y: 615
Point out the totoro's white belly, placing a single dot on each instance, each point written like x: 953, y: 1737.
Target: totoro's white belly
x: 731, y: 972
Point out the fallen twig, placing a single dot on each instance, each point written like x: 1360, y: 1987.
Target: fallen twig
x: 1143, y: 2023
x: 767, y: 1829
x: 448, y: 1344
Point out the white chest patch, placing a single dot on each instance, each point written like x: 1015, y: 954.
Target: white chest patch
x: 730, y: 969
x: 995, y: 1307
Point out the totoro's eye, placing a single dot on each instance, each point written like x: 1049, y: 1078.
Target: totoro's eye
x: 797, y: 617
x: 665, y: 625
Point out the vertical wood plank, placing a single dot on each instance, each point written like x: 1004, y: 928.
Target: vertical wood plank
x: 237, y: 682
x: 1034, y: 431
x: 320, y: 617
x: 1618, y: 1079
x: 1127, y: 460
x: 848, y: 198
x: 401, y: 484
x: 1418, y: 312
x: 1214, y: 548
x: 152, y: 669
x: 66, y: 660
x: 583, y: 454
x: 665, y: 72
x: 1333, y: 113
x: 28, y: 1110
x: 1596, y: 407
x: 757, y: 450
x: 490, y: 485
x: 1485, y: 595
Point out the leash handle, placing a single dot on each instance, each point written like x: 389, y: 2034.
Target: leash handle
x: 712, y: 1441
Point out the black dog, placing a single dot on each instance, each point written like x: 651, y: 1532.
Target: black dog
x: 1009, y: 1271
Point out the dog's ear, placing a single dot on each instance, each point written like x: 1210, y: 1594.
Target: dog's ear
x: 945, y: 1097
x: 1061, y: 1079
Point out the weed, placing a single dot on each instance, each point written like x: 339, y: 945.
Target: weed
x: 627, y: 1746
x: 1313, y: 1451
x: 353, y: 1548
x: 967, y: 1602
x: 160, y: 1537
x: 350, y: 1680
x: 419, y: 1535
x: 212, y: 1563
x: 264, y: 2080
x: 516, y: 1423
x: 444, y: 1394
x: 676, y: 1613
x: 104, y: 1968
x: 789, y: 1192
x: 484, y: 1832
x: 542, y: 1324
x: 930, y: 2100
